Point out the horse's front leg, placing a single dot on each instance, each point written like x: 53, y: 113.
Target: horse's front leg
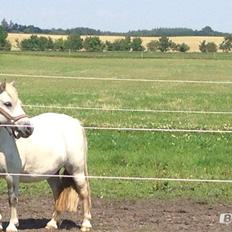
x: 13, y: 186
x: 1, y: 228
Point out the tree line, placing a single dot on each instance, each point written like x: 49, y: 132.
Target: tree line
x: 164, y: 44
x: 12, y: 27
x: 94, y: 44
x: 74, y: 42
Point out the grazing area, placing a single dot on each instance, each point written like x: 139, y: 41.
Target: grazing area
x: 171, y: 91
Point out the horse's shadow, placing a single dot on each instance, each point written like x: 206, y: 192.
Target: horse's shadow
x: 30, y: 223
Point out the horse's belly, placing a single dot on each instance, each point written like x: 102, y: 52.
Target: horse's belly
x: 31, y: 178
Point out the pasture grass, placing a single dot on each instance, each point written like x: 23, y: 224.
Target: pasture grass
x: 168, y: 68
x: 159, y: 154
x: 125, y: 55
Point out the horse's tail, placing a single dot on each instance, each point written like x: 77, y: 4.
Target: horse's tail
x: 68, y: 198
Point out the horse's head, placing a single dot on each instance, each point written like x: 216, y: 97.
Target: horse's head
x: 11, y: 111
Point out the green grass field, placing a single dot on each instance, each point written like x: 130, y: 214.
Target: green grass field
x: 145, y: 154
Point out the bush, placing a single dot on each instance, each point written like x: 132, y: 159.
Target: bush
x: 183, y: 47
x: 7, y: 46
x: 136, y: 44
x: 59, y: 44
x: 93, y: 44
x: 226, y: 45
x: 207, y: 47
x: 164, y: 44
x: 202, y: 46
x: 212, y: 47
x: 73, y: 42
x: 153, y: 46
x: 119, y: 45
x: 35, y: 43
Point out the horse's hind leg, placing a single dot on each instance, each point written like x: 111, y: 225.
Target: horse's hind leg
x: 55, y: 185
x: 13, y: 185
x: 82, y: 186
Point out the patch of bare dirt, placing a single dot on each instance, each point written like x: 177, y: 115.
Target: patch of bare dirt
x: 124, y: 215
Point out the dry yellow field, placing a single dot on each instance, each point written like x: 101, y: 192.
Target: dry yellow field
x: 192, y: 41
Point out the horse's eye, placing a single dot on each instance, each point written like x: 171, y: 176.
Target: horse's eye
x: 8, y: 104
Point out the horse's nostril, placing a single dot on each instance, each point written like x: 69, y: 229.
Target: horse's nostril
x: 30, y: 130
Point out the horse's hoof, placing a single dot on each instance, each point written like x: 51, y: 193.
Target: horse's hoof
x: 11, y: 228
x: 51, y: 225
x: 86, y: 226
x: 85, y: 229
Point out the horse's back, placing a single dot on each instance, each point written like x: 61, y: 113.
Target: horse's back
x: 57, y: 140
x: 53, y: 119
x: 56, y: 127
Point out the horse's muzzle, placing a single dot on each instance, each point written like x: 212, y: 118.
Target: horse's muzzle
x: 24, y: 130
x: 29, y: 130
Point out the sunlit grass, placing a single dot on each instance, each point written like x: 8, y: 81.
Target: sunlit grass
x: 113, y: 153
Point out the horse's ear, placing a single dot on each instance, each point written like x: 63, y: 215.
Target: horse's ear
x: 3, y: 86
x: 12, y: 83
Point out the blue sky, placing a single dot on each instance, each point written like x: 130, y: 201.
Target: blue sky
x: 120, y: 15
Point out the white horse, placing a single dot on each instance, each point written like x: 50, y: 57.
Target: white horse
x: 58, y: 142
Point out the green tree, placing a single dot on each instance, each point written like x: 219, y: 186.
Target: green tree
x: 207, y: 47
x: 211, y: 47
x: 74, y: 42
x: 164, y: 44
x: 119, y: 45
x: 59, y: 44
x: 93, y: 44
x: 123, y: 44
x: 226, y: 45
x: 153, y: 45
x: 136, y: 44
x: 109, y: 46
x: 126, y: 44
x: 35, y: 43
x: 182, y: 47
x: 174, y: 46
x: 45, y: 43
x: 203, y: 46
x: 4, y: 44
